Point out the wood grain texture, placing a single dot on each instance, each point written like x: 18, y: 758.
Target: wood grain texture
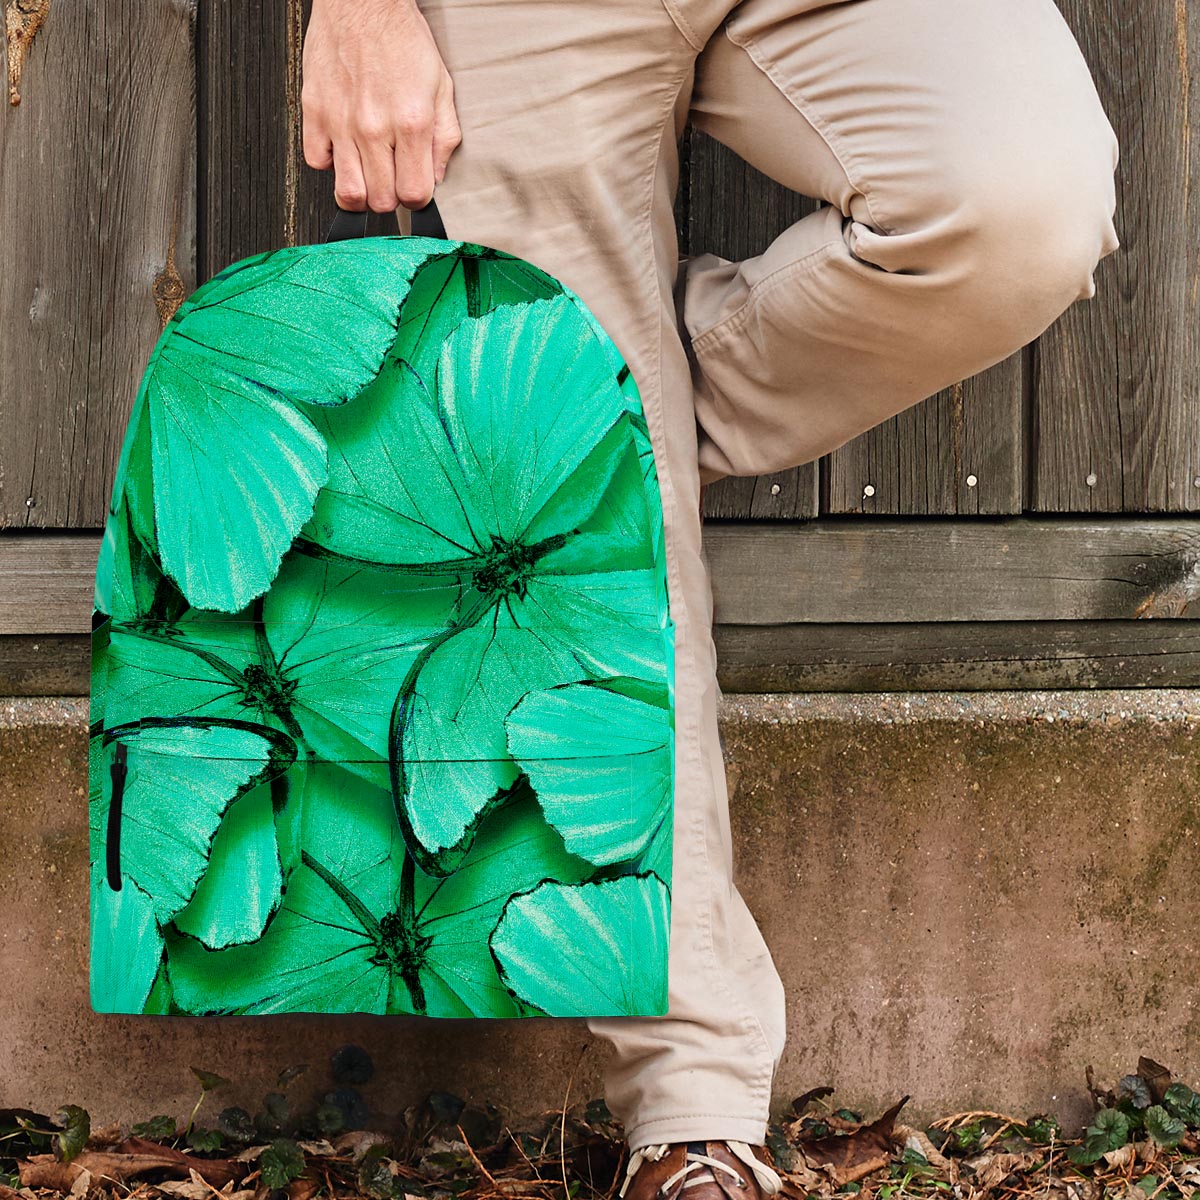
x: 54, y: 665
x: 241, y: 57
x: 957, y: 656
x: 1008, y: 568
x: 257, y: 193
x: 97, y: 230
x: 47, y: 582
x: 838, y: 571
x: 957, y: 453
x: 812, y: 657
x: 1117, y: 400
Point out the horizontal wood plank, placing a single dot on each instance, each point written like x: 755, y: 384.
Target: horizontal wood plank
x: 37, y: 665
x: 816, y: 657
x: 1004, y: 569
x: 47, y: 583
x: 849, y: 571
x: 957, y: 656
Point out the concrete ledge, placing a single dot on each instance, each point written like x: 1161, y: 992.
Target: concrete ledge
x: 970, y: 896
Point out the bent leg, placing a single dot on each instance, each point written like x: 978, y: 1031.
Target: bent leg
x: 968, y: 168
x: 570, y: 111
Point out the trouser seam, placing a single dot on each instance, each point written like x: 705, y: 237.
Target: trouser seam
x: 804, y: 107
x: 750, y: 1025
x: 758, y: 290
x: 683, y: 24
x: 742, y: 1018
x: 694, y: 1116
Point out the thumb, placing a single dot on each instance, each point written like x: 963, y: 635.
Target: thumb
x: 447, y: 133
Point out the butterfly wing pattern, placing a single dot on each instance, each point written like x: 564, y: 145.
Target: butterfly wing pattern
x: 382, y: 696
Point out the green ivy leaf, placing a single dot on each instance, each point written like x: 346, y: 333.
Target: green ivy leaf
x: 236, y: 1124
x: 1109, y: 1130
x: 1043, y: 1129
x: 209, y: 1080
x: 1180, y: 1101
x: 1111, y: 1125
x: 375, y: 1176
x: 1165, y: 1129
x: 206, y: 1141
x: 330, y: 1118
x: 281, y: 1162
x: 75, y: 1126
x: 1135, y: 1088
x: 157, y: 1129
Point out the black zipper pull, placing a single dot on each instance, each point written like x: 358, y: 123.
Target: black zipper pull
x: 118, y: 771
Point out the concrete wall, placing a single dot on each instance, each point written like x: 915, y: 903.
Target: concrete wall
x: 971, y: 896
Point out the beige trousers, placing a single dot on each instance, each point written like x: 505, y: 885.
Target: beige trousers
x: 968, y: 170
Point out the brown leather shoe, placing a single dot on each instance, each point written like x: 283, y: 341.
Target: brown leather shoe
x: 701, y: 1171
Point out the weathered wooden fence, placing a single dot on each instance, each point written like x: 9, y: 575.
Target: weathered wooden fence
x: 1014, y: 530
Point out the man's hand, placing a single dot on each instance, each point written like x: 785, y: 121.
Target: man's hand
x: 378, y: 103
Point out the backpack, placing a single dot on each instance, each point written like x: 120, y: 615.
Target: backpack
x: 382, y: 680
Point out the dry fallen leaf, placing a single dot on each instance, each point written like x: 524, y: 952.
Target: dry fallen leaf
x: 846, y: 1158
x: 45, y: 1171
x: 1121, y: 1157
x: 187, y: 1189
x: 320, y: 1149
x: 992, y: 1167
x: 918, y: 1140
x: 356, y: 1142
x: 1157, y: 1077
x: 302, y: 1188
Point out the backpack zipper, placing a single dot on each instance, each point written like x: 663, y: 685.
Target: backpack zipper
x: 118, y: 770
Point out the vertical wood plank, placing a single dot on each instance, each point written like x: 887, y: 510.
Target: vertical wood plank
x: 257, y: 192
x: 97, y: 230
x: 243, y: 132
x: 958, y: 453
x: 1117, y: 402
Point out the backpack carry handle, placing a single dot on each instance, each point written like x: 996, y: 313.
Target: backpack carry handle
x: 426, y: 222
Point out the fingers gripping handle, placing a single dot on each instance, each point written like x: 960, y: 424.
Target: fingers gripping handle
x: 426, y: 222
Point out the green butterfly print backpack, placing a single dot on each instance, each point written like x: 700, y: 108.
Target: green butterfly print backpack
x: 382, y: 707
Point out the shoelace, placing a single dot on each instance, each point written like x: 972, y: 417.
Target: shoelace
x: 694, y: 1161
